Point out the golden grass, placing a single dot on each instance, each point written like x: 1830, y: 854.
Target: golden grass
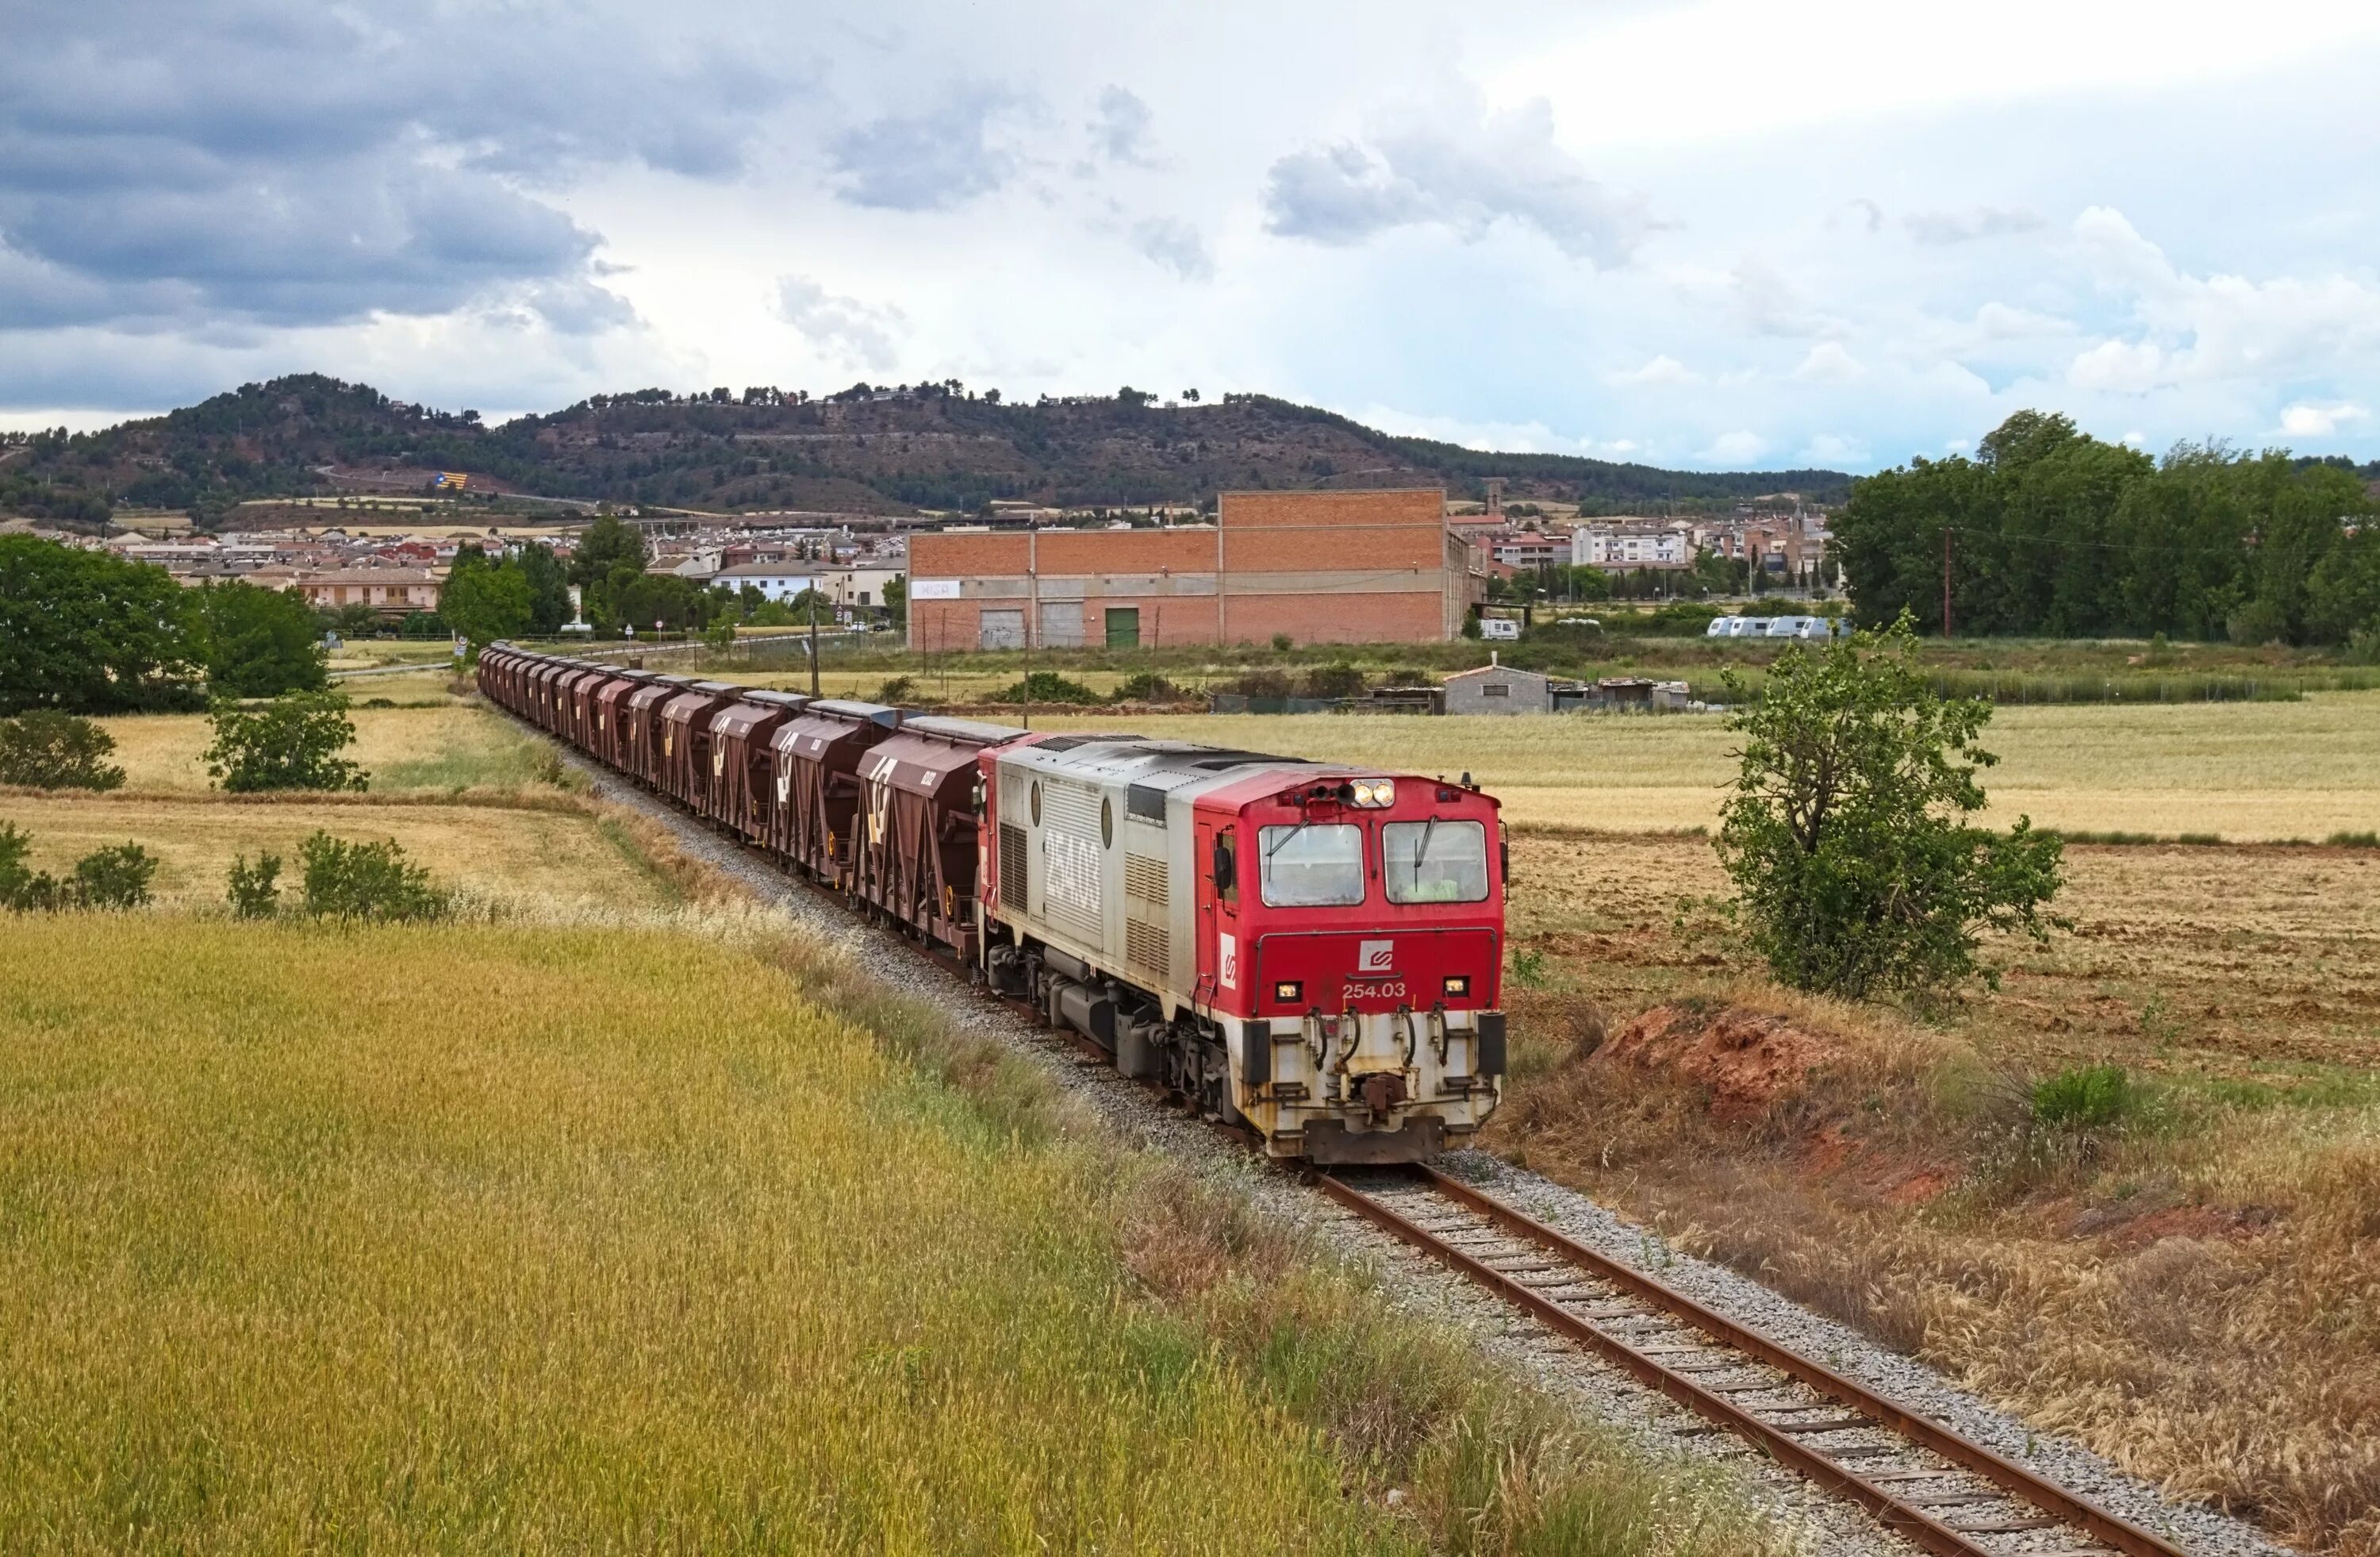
x: 450, y: 748
x: 527, y: 1239
x: 2197, y: 1296
x: 2242, y: 771
x: 548, y: 861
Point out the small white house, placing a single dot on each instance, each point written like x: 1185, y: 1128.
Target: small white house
x: 776, y: 580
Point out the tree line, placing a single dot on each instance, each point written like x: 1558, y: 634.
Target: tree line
x: 89, y: 632
x: 2049, y: 533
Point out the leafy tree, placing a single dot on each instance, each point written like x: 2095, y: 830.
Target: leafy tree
x: 344, y: 881
x: 292, y: 742
x: 255, y: 890
x: 896, y: 597
x: 608, y: 543
x: 257, y: 642
x: 43, y: 748
x: 90, y: 633
x: 486, y: 602
x: 549, y: 591
x: 1856, y: 871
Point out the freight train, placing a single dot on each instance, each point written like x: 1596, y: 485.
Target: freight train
x: 1308, y: 951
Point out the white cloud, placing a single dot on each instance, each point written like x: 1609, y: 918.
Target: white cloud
x: 1833, y: 451
x: 2307, y: 421
x: 1966, y: 227
x: 844, y: 329
x: 2121, y: 367
x: 1461, y: 168
x: 1829, y: 363
x: 1663, y: 371
x: 1736, y: 449
x: 2213, y: 328
x: 1175, y: 245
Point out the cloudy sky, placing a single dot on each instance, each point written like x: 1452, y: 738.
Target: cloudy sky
x: 1723, y: 234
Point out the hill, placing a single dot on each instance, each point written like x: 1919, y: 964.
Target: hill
x: 860, y: 450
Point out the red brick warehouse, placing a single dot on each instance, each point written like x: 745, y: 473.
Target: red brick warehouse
x: 1324, y: 567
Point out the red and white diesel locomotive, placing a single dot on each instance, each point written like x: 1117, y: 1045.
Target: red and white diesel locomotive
x: 1308, y: 950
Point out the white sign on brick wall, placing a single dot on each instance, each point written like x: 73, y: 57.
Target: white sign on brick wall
x: 933, y: 589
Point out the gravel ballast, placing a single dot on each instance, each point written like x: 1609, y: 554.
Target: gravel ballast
x: 1420, y: 1287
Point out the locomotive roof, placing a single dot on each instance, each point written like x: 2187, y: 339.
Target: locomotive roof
x: 1145, y: 758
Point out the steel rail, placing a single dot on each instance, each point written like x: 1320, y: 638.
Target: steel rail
x: 1830, y: 1474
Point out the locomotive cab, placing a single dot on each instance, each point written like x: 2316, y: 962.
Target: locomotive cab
x: 1352, y: 933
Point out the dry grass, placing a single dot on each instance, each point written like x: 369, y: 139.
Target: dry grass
x: 539, y: 860
x: 2242, y: 771
x: 450, y: 748
x: 521, y: 1239
x: 2195, y: 1291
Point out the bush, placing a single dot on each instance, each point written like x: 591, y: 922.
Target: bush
x: 109, y: 878
x: 112, y: 877
x: 21, y: 888
x: 46, y: 750
x: 291, y: 743
x: 1854, y: 868
x: 1147, y: 687
x: 344, y: 880
x: 897, y: 691
x: 1048, y: 687
x: 255, y: 890
x: 1281, y: 642
x: 2086, y: 1097
x: 1338, y: 679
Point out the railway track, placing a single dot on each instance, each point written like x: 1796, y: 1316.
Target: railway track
x: 1914, y: 1475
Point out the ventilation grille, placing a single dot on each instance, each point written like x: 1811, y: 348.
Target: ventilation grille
x: 1147, y: 945
x: 1011, y: 868
x: 1144, y: 877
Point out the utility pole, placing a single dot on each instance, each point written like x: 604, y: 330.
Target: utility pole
x: 814, y: 668
x: 1946, y: 580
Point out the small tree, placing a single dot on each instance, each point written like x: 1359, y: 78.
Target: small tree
x: 46, y: 750
x: 344, y: 880
x: 255, y: 890
x: 1855, y: 869
x: 113, y: 878
x: 22, y: 888
x: 292, y: 742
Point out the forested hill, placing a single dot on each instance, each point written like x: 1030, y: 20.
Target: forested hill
x: 931, y: 446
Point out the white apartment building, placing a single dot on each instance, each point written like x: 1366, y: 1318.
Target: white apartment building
x: 1621, y: 546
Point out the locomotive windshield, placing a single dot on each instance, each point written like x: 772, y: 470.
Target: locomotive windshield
x: 1312, y: 865
x: 1436, y: 861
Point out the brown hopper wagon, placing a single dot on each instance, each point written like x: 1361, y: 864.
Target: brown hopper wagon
x: 609, y: 742
x: 916, y: 856
x: 815, y: 768
x: 686, y: 741
x: 743, y: 772
x: 641, y: 714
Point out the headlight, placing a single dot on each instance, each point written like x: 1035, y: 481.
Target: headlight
x: 1288, y: 990
x: 1375, y: 792
x: 1458, y: 985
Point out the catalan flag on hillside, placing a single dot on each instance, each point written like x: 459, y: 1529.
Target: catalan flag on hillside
x: 453, y: 480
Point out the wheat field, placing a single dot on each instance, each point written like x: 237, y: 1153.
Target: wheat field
x: 519, y: 1241
x: 450, y: 748
x: 2241, y: 771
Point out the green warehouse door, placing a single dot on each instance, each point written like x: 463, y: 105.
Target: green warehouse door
x: 1123, y: 626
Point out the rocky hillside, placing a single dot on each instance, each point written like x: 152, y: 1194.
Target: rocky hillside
x: 928, y: 447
